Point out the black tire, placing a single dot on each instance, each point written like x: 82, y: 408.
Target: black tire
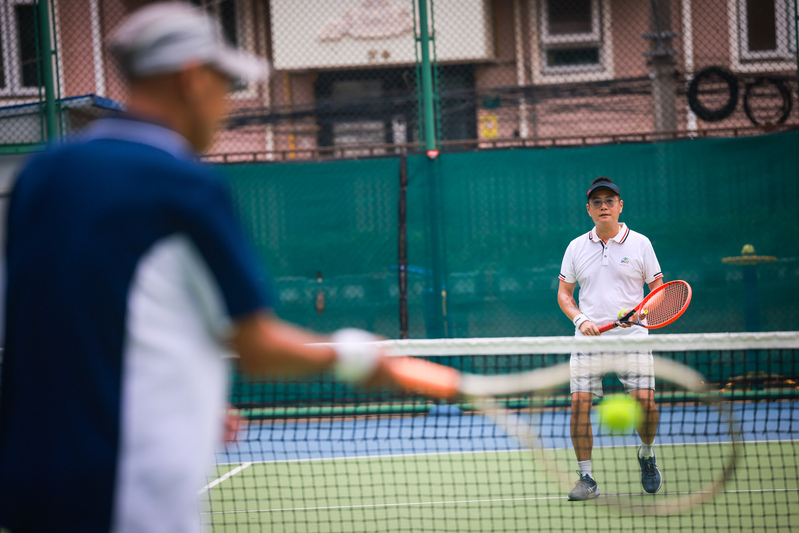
x: 705, y: 113
x: 785, y: 93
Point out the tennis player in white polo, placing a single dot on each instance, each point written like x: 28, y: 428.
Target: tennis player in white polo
x: 611, y: 264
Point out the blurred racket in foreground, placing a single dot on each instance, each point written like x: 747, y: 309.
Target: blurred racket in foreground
x: 695, y: 473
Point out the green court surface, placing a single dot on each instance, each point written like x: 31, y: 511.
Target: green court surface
x: 498, y: 491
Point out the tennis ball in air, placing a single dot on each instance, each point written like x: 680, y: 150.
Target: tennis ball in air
x: 618, y: 412
x: 622, y: 313
x: 748, y: 249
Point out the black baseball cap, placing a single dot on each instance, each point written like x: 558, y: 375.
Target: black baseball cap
x: 603, y: 183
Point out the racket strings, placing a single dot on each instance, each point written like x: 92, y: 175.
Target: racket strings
x: 666, y: 304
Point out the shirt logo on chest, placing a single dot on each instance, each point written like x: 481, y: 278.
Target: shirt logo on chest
x: 625, y: 262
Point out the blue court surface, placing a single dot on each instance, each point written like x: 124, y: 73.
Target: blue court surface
x: 453, y: 433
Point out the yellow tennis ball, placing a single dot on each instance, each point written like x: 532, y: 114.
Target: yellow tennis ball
x: 622, y: 313
x: 618, y: 412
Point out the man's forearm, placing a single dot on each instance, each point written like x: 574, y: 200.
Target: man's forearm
x: 569, y: 306
x: 267, y: 345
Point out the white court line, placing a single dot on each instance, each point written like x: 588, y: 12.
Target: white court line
x: 220, y: 479
x: 516, y: 450
x: 456, y: 502
x: 373, y: 505
x: 378, y: 456
x: 244, y: 466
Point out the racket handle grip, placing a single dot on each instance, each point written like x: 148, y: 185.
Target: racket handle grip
x: 425, y: 377
x: 607, y: 327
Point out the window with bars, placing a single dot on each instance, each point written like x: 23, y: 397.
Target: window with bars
x: 226, y: 12
x: 237, y: 26
x: 20, y: 62
x: 767, y: 29
x: 571, y: 35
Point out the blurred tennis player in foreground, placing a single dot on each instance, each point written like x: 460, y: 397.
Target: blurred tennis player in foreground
x: 128, y: 275
x: 611, y: 264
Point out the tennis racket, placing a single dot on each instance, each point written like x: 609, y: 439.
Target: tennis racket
x: 485, y: 394
x: 660, y: 308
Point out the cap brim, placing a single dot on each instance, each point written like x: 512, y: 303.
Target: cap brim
x: 603, y: 185
x: 241, y: 66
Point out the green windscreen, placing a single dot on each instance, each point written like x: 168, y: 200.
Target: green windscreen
x: 486, y: 233
x: 335, y: 219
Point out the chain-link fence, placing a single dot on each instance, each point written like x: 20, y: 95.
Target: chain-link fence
x: 471, y: 244
x: 604, y: 70
x: 347, y: 77
x: 465, y: 245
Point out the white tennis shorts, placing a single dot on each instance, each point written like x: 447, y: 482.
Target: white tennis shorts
x: 586, y: 375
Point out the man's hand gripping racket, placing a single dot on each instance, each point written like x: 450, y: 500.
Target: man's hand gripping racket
x: 660, y: 308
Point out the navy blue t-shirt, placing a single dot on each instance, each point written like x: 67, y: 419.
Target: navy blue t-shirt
x: 125, y: 268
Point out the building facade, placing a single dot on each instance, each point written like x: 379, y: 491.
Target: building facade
x: 345, y: 72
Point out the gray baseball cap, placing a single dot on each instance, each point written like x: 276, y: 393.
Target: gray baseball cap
x: 166, y: 37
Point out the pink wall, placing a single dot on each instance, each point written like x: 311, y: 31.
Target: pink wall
x: 575, y: 115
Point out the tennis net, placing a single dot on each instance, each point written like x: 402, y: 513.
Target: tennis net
x: 318, y: 455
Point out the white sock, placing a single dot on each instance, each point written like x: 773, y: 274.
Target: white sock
x: 647, y: 450
x: 585, y: 467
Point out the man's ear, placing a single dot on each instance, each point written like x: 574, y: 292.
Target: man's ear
x: 189, y: 82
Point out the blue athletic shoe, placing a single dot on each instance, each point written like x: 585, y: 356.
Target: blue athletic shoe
x: 650, y: 474
x: 585, y: 489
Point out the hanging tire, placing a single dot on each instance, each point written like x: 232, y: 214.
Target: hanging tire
x: 719, y: 113
x: 785, y: 94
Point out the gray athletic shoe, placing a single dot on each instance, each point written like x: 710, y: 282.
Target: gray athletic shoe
x: 585, y: 489
x: 650, y: 474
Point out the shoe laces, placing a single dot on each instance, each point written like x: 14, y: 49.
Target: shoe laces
x: 648, y: 465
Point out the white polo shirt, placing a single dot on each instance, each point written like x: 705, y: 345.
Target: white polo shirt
x: 610, y: 275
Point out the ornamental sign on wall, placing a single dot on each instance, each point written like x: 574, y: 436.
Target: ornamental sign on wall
x: 346, y: 33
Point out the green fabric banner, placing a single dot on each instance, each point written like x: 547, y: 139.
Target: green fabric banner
x: 487, y: 231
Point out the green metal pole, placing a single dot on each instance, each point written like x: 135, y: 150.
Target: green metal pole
x: 436, y: 78
x: 48, y: 78
x: 796, y: 40
x: 427, y: 79
x: 418, y: 80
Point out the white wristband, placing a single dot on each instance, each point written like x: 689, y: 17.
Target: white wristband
x: 358, y: 357
x: 579, y: 319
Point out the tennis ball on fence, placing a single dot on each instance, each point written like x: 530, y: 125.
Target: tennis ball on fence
x: 618, y: 412
x: 622, y: 313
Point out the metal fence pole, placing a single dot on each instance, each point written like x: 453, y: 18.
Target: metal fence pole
x: 403, y: 246
x: 796, y: 40
x: 48, y: 77
x: 427, y: 79
x: 661, y: 61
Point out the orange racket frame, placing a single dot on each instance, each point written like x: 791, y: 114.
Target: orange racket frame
x: 660, y: 308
